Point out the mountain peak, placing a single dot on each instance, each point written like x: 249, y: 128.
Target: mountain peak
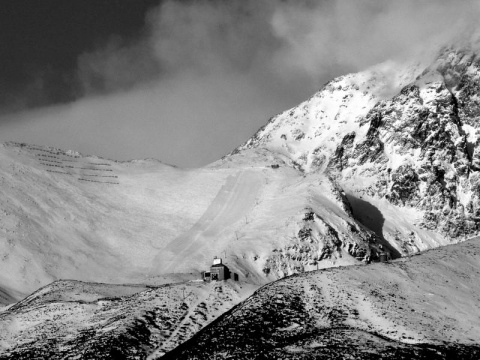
x: 406, y: 134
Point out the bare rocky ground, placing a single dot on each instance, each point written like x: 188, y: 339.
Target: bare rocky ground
x: 421, y: 307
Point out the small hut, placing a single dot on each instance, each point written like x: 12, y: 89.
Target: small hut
x: 383, y: 256
x: 219, y: 271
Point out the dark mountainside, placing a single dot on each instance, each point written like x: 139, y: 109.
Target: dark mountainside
x: 104, y: 321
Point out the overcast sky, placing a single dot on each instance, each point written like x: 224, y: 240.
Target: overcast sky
x: 184, y: 81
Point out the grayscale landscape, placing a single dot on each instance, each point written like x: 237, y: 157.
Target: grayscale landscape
x: 346, y: 227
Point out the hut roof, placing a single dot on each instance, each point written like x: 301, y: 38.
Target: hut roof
x: 218, y: 265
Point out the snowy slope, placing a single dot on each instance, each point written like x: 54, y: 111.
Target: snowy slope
x: 138, y: 221
x: 57, y: 226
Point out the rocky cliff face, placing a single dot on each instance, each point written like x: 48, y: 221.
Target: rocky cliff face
x: 406, y: 139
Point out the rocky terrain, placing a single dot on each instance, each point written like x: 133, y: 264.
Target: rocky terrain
x: 418, y: 307
x: 72, y: 319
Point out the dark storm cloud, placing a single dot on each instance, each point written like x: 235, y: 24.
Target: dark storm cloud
x: 207, y: 74
x: 41, y: 40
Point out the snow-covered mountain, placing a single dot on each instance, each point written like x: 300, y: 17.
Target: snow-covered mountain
x: 382, y: 160
x: 404, y: 138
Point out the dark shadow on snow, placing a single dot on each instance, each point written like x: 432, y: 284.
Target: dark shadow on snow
x: 370, y: 217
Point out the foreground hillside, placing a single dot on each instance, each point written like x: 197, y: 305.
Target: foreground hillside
x: 72, y: 319
x: 422, y: 307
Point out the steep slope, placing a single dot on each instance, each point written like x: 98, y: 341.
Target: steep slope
x: 421, y: 307
x: 309, y: 133
x: 401, y: 140
x: 64, y: 215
